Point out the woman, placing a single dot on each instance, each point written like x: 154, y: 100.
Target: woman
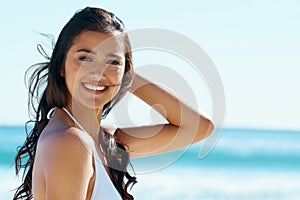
x: 70, y: 155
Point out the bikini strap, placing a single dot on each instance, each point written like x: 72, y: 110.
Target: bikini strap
x: 88, y: 138
x: 73, y: 118
x: 53, y: 110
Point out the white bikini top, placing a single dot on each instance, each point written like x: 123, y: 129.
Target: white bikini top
x: 103, y: 187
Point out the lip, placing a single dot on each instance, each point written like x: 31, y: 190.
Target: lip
x: 94, y: 88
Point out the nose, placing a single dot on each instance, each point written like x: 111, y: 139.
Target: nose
x: 98, y: 73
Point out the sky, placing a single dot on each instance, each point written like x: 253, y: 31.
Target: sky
x: 254, y: 45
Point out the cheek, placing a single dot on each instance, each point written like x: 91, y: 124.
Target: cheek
x: 71, y: 75
x: 120, y: 76
x: 116, y: 77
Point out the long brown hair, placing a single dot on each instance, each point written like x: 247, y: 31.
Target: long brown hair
x: 47, y: 89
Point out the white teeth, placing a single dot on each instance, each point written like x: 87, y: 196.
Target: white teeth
x: 94, y: 87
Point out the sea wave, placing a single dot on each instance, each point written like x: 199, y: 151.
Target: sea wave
x: 244, y: 164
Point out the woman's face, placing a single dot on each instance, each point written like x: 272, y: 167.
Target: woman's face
x: 94, y: 68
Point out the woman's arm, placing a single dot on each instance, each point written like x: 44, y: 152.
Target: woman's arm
x: 185, y: 126
x: 67, y: 166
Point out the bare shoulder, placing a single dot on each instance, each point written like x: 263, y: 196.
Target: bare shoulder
x: 67, y: 163
x: 65, y: 144
x: 64, y: 137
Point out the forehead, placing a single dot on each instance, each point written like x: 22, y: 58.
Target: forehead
x: 99, y: 42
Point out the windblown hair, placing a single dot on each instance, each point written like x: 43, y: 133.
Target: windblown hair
x: 47, y: 89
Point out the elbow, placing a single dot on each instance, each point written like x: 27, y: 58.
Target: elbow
x: 204, y: 129
x: 210, y: 128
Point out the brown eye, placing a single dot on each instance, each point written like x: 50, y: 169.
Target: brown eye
x: 85, y: 59
x: 113, y: 62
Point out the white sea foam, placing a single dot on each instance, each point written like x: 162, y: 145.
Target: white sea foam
x: 8, y: 182
x: 191, y: 183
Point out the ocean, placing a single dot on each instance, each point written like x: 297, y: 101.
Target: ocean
x: 244, y: 164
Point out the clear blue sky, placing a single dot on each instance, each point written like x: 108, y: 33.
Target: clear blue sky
x: 255, y: 46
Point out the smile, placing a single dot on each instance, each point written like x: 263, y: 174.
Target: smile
x: 93, y: 87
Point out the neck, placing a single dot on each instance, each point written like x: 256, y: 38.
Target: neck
x: 90, y: 119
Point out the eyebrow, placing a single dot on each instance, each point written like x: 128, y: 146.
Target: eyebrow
x: 86, y: 50
x: 92, y: 52
x: 113, y: 55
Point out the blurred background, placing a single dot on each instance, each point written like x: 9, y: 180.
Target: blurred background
x: 255, y: 47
